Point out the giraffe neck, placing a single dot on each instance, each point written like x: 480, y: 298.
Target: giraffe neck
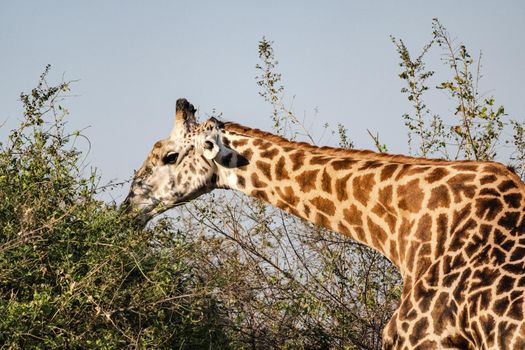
x: 335, y: 191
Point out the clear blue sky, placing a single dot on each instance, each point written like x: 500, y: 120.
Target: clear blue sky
x: 135, y: 58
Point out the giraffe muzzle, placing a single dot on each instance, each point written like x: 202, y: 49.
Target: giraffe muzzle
x: 141, y: 215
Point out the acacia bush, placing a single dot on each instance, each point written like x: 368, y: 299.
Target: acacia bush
x: 74, y: 271
x: 477, y: 129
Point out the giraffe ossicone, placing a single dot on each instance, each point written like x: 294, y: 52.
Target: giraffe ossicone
x: 455, y: 230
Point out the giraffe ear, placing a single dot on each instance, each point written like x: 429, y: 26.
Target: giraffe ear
x: 211, y: 149
x: 184, y: 117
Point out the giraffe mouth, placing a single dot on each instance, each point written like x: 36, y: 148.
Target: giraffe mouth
x: 145, y: 215
x: 140, y: 214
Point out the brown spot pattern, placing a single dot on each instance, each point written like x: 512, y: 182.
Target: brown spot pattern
x: 324, y: 205
x: 442, y: 230
x: 342, y: 164
x: 256, y: 182
x: 361, y: 187
x: 280, y: 169
x: 326, y: 182
x: 323, y: 221
x: 462, y: 184
x: 288, y: 195
x: 388, y: 171
x: 270, y: 154
x: 297, y: 159
x: 488, y: 208
x: 239, y: 143
x: 415, y: 170
x: 379, y: 235
x: 265, y: 168
x: 307, y: 179
x: 319, y: 160
x: 247, y: 154
x: 439, y: 198
x: 353, y: 215
x: 424, y: 228
x: 341, y: 187
x: 370, y: 164
x: 507, y: 185
x: 436, y: 175
x: 384, y: 208
x: 343, y: 229
x: 241, y: 181
x: 306, y: 210
x: 410, y: 196
x: 260, y: 195
x: 487, y: 179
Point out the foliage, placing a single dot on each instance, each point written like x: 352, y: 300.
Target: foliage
x: 74, y: 273
x: 284, y: 120
x: 416, y: 77
x: 476, y: 129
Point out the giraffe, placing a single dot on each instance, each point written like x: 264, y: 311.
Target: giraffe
x: 454, y: 229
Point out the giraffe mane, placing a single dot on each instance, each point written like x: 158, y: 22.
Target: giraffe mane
x: 335, y: 151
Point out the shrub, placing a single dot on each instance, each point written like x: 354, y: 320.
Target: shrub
x: 74, y: 271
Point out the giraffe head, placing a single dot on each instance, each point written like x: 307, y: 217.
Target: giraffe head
x: 179, y: 168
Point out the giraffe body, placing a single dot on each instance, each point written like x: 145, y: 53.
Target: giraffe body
x: 455, y: 230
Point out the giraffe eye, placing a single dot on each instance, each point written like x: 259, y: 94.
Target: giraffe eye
x: 170, y: 158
